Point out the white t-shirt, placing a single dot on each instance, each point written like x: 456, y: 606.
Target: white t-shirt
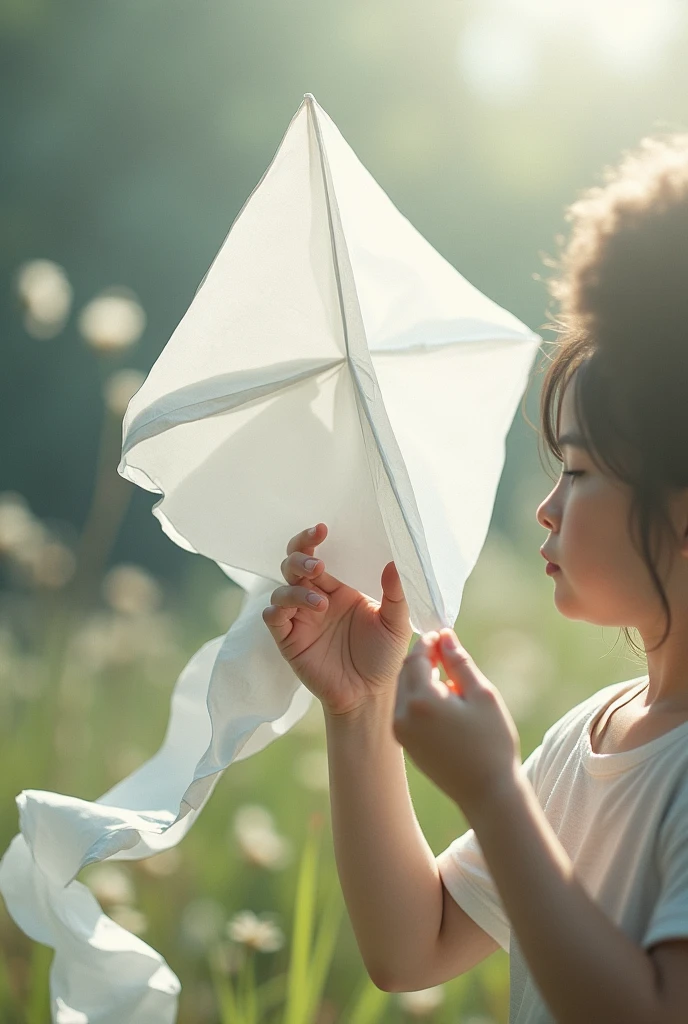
x: 623, y: 820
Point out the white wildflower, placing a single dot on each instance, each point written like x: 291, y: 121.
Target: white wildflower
x: 111, y: 884
x: 113, y: 320
x: 120, y: 388
x: 261, y: 935
x: 423, y: 1002
x: 258, y: 840
x: 131, y: 590
x: 46, y: 296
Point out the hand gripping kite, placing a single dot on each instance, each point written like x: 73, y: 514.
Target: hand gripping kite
x: 332, y: 367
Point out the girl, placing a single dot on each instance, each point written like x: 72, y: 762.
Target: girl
x: 576, y: 861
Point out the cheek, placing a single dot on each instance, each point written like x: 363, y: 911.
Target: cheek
x: 602, y: 555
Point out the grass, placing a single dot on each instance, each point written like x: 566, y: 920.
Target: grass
x: 79, y: 725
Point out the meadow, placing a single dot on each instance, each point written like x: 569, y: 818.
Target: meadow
x: 247, y: 909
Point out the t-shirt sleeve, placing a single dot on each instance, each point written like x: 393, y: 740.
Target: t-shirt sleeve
x: 670, y: 916
x: 466, y: 876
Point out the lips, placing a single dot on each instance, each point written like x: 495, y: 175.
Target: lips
x: 551, y: 563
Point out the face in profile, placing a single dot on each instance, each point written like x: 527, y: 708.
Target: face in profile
x: 602, y: 579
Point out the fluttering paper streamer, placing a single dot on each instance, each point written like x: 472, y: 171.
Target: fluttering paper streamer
x: 332, y: 367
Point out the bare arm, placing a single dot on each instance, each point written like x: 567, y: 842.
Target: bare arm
x: 410, y: 931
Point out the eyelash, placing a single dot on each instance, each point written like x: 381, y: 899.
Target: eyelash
x: 572, y: 472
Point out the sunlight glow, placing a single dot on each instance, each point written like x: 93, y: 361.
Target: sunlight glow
x: 499, y: 46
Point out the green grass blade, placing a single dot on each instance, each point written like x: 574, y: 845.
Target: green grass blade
x: 298, y: 999
x: 224, y: 994
x: 249, y: 1003
x: 271, y: 993
x: 325, y: 943
x: 369, y: 1006
x: 38, y: 1005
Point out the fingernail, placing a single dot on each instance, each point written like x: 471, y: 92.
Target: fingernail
x: 310, y: 563
x: 449, y: 642
x: 313, y: 530
x: 314, y: 599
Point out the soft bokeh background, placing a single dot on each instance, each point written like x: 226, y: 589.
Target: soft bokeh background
x: 133, y: 133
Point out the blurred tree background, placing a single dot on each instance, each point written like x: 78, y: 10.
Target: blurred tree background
x: 134, y: 132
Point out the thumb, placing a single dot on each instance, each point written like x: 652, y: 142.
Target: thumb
x: 459, y: 665
x: 393, y: 607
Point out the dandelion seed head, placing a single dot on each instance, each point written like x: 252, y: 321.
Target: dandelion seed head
x: 258, y: 840
x: 46, y: 297
x: 112, y: 321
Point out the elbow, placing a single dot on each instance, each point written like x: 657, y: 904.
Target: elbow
x: 394, y: 983
x: 383, y: 981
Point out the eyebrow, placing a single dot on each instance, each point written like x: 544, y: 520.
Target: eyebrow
x: 573, y: 440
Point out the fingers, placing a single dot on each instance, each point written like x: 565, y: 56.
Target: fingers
x: 460, y: 667
x: 308, y: 540
x: 293, y: 598
x: 285, y: 603
x: 394, y: 610
x: 420, y: 661
x: 302, y: 563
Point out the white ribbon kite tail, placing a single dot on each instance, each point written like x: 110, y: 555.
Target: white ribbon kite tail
x: 234, y: 697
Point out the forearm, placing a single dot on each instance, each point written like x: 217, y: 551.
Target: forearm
x: 585, y: 967
x: 387, y: 871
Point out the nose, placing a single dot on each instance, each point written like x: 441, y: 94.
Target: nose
x: 547, y: 514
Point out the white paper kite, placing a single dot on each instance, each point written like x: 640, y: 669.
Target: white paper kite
x: 332, y: 367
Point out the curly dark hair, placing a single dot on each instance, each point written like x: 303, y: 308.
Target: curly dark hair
x: 622, y: 288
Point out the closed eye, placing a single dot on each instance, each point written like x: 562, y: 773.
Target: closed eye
x: 572, y: 472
